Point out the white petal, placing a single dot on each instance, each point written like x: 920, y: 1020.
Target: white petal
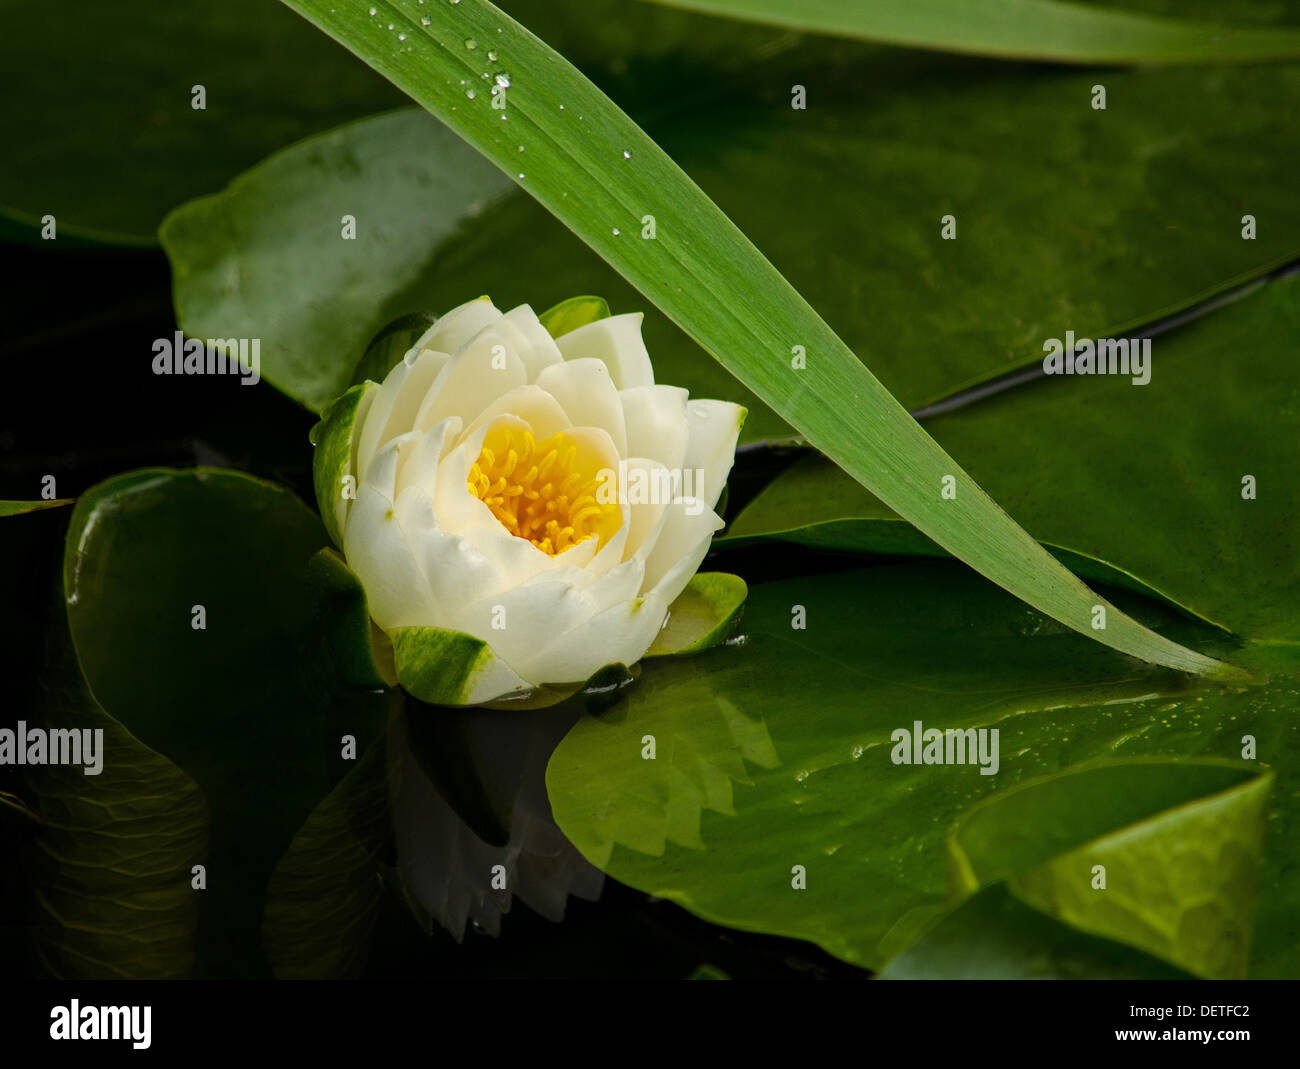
x: 376, y: 548
x: 534, y: 405
x: 621, y: 583
x: 371, y: 431
x: 619, y: 635
x: 587, y: 394
x: 411, y: 390
x: 455, y: 571
x: 541, y: 351
x: 711, y: 449
x: 483, y: 370
x: 615, y: 340
x: 656, y: 423
x: 647, y: 487
x: 450, y: 333
x: 455, y: 506
x: 683, y: 538
x: 516, y: 622
x: 420, y: 467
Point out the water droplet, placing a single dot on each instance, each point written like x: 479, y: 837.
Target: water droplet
x: 505, y: 118
x: 521, y: 174
x: 503, y: 79
x: 401, y: 37
x: 561, y: 107
x: 470, y: 93
x: 858, y: 752
x: 426, y: 21
x: 391, y: 26
x: 492, y: 56
x: 373, y: 12
x: 521, y: 148
x: 627, y: 154
x: 616, y: 231
x: 470, y: 43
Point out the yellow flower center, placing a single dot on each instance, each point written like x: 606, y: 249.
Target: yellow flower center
x: 539, y: 491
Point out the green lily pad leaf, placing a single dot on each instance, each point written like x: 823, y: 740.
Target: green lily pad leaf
x: 335, y: 459
x: 206, y: 585
x: 17, y: 508
x: 573, y: 313
x: 390, y: 345
x: 316, y: 300
x: 1003, y: 283
x: 705, y: 614
x: 110, y: 866
x: 126, y: 79
x: 347, y: 635
x: 1161, y: 855
x: 772, y: 801
x: 323, y: 899
x: 451, y: 668
x: 1210, y: 447
x: 993, y: 935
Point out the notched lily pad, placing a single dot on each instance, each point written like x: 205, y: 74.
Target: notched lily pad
x: 705, y: 614
x: 1161, y: 854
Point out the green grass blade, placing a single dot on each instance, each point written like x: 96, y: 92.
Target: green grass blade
x: 595, y: 170
x: 1017, y: 29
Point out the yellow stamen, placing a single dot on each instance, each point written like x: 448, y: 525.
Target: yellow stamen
x: 538, y: 491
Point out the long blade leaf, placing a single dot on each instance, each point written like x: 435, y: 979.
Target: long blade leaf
x: 534, y: 115
x: 1018, y: 29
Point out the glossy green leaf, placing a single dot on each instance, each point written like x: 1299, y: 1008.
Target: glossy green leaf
x: 1160, y: 855
x: 323, y: 898
x: 573, y: 313
x: 598, y: 172
x: 994, y: 936
x: 101, y: 118
x: 1147, y: 479
x: 705, y: 614
x: 346, y: 637
x: 316, y: 302
x: 109, y: 867
x: 17, y: 508
x: 1140, y: 243
x: 778, y: 752
x: 1054, y: 30
x: 249, y: 697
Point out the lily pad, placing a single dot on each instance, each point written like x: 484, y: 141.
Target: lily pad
x: 206, y: 626
x: 776, y: 753
x: 1125, y: 242
x: 1185, y: 484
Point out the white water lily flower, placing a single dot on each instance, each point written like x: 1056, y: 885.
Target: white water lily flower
x: 542, y: 495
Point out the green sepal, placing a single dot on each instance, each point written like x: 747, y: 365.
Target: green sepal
x: 333, y: 438
x: 573, y: 313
